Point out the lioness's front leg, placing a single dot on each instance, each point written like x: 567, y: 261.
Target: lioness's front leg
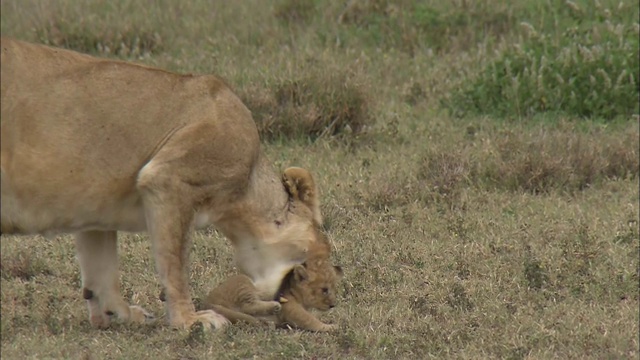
x: 98, y: 257
x: 173, y: 184
x: 168, y: 223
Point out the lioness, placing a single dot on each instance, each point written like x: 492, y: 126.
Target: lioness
x: 93, y: 146
x: 311, y: 285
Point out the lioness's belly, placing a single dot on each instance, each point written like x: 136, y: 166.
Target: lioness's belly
x: 49, y: 188
x: 49, y: 214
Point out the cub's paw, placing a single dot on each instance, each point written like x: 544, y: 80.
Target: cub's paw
x: 328, y: 328
x: 139, y: 315
x: 275, y: 308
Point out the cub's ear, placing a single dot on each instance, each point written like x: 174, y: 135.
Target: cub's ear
x: 338, y: 270
x: 300, y: 273
x: 301, y: 187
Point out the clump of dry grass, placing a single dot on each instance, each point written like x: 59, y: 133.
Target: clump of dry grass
x: 566, y: 160
x: 389, y: 193
x: 535, y: 273
x: 128, y: 41
x: 535, y: 162
x: 23, y: 265
x: 444, y: 171
x: 311, y: 106
x: 543, y: 160
x: 295, y: 12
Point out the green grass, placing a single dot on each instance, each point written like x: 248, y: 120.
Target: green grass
x: 585, y: 64
x: 471, y: 236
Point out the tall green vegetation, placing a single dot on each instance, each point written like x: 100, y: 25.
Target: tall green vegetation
x: 581, y: 61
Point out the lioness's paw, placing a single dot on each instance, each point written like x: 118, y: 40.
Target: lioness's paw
x: 101, y: 319
x: 210, y: 318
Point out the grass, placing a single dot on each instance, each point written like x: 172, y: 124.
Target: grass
x: 309, y: 106
x: 466, y: 234
x: 586, y: 64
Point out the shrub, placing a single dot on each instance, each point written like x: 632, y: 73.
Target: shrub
x: 309, y: 106
x: 585, y: 66
x: 563, y: 160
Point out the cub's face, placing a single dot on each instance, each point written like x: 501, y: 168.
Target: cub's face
x: 316, y: 282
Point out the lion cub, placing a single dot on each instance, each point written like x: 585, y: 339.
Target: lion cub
x: 311, y: 285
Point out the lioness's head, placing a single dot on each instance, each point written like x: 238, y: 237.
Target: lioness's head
x: 299, y: 227
x: 314, y: 284
x: 277, y: 226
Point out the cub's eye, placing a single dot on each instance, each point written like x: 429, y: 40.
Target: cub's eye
x: 325, y: 290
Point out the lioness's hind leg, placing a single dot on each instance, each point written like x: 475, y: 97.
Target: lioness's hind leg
x: 98, y: 257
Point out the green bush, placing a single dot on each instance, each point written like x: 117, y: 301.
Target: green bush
x: 585, y: 65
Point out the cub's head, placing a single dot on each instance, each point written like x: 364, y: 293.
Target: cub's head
x: 314, y: 284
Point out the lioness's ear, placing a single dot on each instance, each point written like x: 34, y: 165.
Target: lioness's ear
x: 300, y: 186
x: 300, y: 273
x: 338, y: 270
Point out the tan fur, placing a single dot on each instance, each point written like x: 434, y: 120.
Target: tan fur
x: 92, y: 146
x: 308, y: 286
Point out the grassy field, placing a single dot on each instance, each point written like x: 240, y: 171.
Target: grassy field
x: 477, y: 162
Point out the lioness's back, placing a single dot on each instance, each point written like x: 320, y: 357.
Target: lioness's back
x: 88, y: 126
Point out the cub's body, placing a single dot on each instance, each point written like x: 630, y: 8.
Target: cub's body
x: 311, y: 285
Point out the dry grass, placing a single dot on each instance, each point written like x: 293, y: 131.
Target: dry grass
x: 474, y: 238
x: 22, y: 265
x: 127, y: 42
x: 310, y: 107
x: 535, y: 160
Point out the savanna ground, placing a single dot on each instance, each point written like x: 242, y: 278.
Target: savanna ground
x: 477, y: 161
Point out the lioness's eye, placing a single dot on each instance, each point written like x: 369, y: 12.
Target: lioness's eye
x: 325, y: 290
